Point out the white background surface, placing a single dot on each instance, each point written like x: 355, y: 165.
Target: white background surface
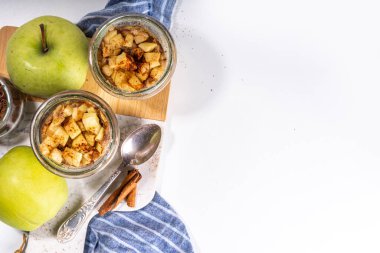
x: 273, y: 138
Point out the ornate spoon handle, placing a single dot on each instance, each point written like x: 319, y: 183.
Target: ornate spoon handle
x: 71, y: 226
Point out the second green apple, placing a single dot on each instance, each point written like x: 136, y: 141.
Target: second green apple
x: 43, y: 71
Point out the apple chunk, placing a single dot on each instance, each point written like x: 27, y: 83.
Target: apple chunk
x: 77, y: 114
x: 128, y: 40
x: 60, y: 136
x: 50, y: 143
x: 100, y: 135
x: 91, y: 122
x: 141, y: 37
x: 152, y: 57
x: 72, y: 128
x: 79, y: 143
x: 72, y: 157
x: 56, y: 156
x: 90, y: 138
x: 147, y: 46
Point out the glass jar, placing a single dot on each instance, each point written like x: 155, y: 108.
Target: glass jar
x: 48, y: 107
x: 153, y: 27
x: 13, y: 103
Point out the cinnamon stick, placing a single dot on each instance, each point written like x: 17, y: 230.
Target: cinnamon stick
x: 108, y: 204
x: 127, y: 189
x: 131, y: 198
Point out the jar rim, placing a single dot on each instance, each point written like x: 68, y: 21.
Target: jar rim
x: 67, y: 171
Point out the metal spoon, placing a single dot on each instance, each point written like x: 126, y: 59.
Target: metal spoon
x: 136, y: 149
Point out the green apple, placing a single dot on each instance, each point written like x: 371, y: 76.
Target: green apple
x: 42, y: 71
x: 30, y: 195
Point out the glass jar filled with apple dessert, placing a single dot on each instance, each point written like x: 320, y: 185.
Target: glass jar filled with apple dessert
x: 132, y: 56
x: 74, y: 134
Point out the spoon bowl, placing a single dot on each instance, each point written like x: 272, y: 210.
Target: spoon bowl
x: 145, y: 141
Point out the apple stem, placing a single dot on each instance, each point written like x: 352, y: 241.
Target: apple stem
x: 43, y: 34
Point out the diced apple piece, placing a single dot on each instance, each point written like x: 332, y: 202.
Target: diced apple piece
x: 60, y: 136
x: 85, y: 162
x: 109, y: 36
x: 112, y: 62
x: 51, y: 129
x: 135, y: 82
x: 124, y: 61
x: 154, y: 64
x: 150, y: 57
x: 58, y: 121
x: 100, y: 135
x: 80, y: 143
x: 67, y: 111
x: 122, y: 85
x: 144, y: 68
x: 128, y: 40
x: 72, y: 157
x: 147, y: 46
x: 77, y: 114
x: 72, y: 128
x: 126, y: 86
x: 117, y: 41
x: 90, y: 138
x: 50, y: 143
x: 141, y: 37
x: 156, y: 73
x: 83, y: 108
x: 106, y: 69
x: 113, y: 76
x: 58, y: 115
x: 119, y: 78
x: 95, y: 155
x: 107, y: 50
x: 99, y: 147
x: 116, y: 51
x: 142, y: 77
x: 56, y: 156
x: 121, y: 60
x: 88, y: 156
x: 91, y: 109
x: 133, y: 30
x: 44, y: 149
x: 91, y: 122
x: 81, y: 126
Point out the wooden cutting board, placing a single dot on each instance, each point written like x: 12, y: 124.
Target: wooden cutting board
x: 152, y: 108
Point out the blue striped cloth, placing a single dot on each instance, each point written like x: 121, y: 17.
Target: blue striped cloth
x: 154, y: 228
x: 159, y: 9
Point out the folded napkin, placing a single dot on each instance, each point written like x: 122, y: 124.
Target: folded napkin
x: 154, y: 228
x: 159, y: 9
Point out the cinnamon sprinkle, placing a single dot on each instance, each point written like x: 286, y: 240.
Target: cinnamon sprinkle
x: 3, y: 103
